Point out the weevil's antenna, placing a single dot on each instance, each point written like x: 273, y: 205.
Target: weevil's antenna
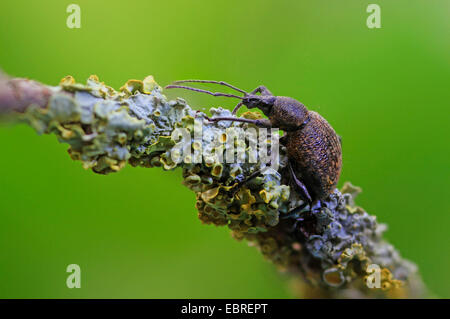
x: 202, y: 91
x: 210, y: 81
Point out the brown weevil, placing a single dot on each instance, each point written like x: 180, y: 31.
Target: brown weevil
x: 313, y: 147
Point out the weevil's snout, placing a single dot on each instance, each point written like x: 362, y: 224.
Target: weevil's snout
x: 264, y: 103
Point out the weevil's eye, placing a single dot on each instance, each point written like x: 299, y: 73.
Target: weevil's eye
x: 264, y: 103
x: 251, y: 101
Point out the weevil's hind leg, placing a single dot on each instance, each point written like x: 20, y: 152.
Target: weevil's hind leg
x: 297, y: 213
x: 260, y: 122
x: 304, y: 194
x: 304, y: 217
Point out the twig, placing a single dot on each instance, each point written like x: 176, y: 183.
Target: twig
x: 343, y: 256
x: 17, y: 94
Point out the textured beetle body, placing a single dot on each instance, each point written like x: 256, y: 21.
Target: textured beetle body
x: 313, y: 147
x: 287, y: 113
x: 316, y: 155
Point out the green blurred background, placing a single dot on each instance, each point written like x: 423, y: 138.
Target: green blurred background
x: 135, y: 234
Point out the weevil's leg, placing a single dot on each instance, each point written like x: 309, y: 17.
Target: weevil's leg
x: 262, y: 90
x: 246, y: 180
x: 294, y: 212
x: 252, y: 176
x: 236, y: 108
x: 282, y: 140
x: 260, y: 122
x: 294, y: 226
x: 298, y: 220
x: 316, y: 206
x: 304, y: 194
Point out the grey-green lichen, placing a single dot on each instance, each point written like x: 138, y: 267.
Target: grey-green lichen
x: 106, y: 128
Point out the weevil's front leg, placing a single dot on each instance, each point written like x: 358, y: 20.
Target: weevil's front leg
x: 259, y: 122
x: 244, y: 181
x: 262, y: 90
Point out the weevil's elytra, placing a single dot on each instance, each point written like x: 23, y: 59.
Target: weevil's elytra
x: 313, y: 147
x: 318, y: 156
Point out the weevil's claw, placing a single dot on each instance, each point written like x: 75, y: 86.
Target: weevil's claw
x: 297, y: 221
x: 296, y: 214
x: 211, y: 119
x: 196, y: 114
x: 204, y: 116
x: 316, y: 207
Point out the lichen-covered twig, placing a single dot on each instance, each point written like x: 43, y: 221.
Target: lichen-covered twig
x: 106, y: 129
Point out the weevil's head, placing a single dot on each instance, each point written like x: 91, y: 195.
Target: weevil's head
x: 262, y: 102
